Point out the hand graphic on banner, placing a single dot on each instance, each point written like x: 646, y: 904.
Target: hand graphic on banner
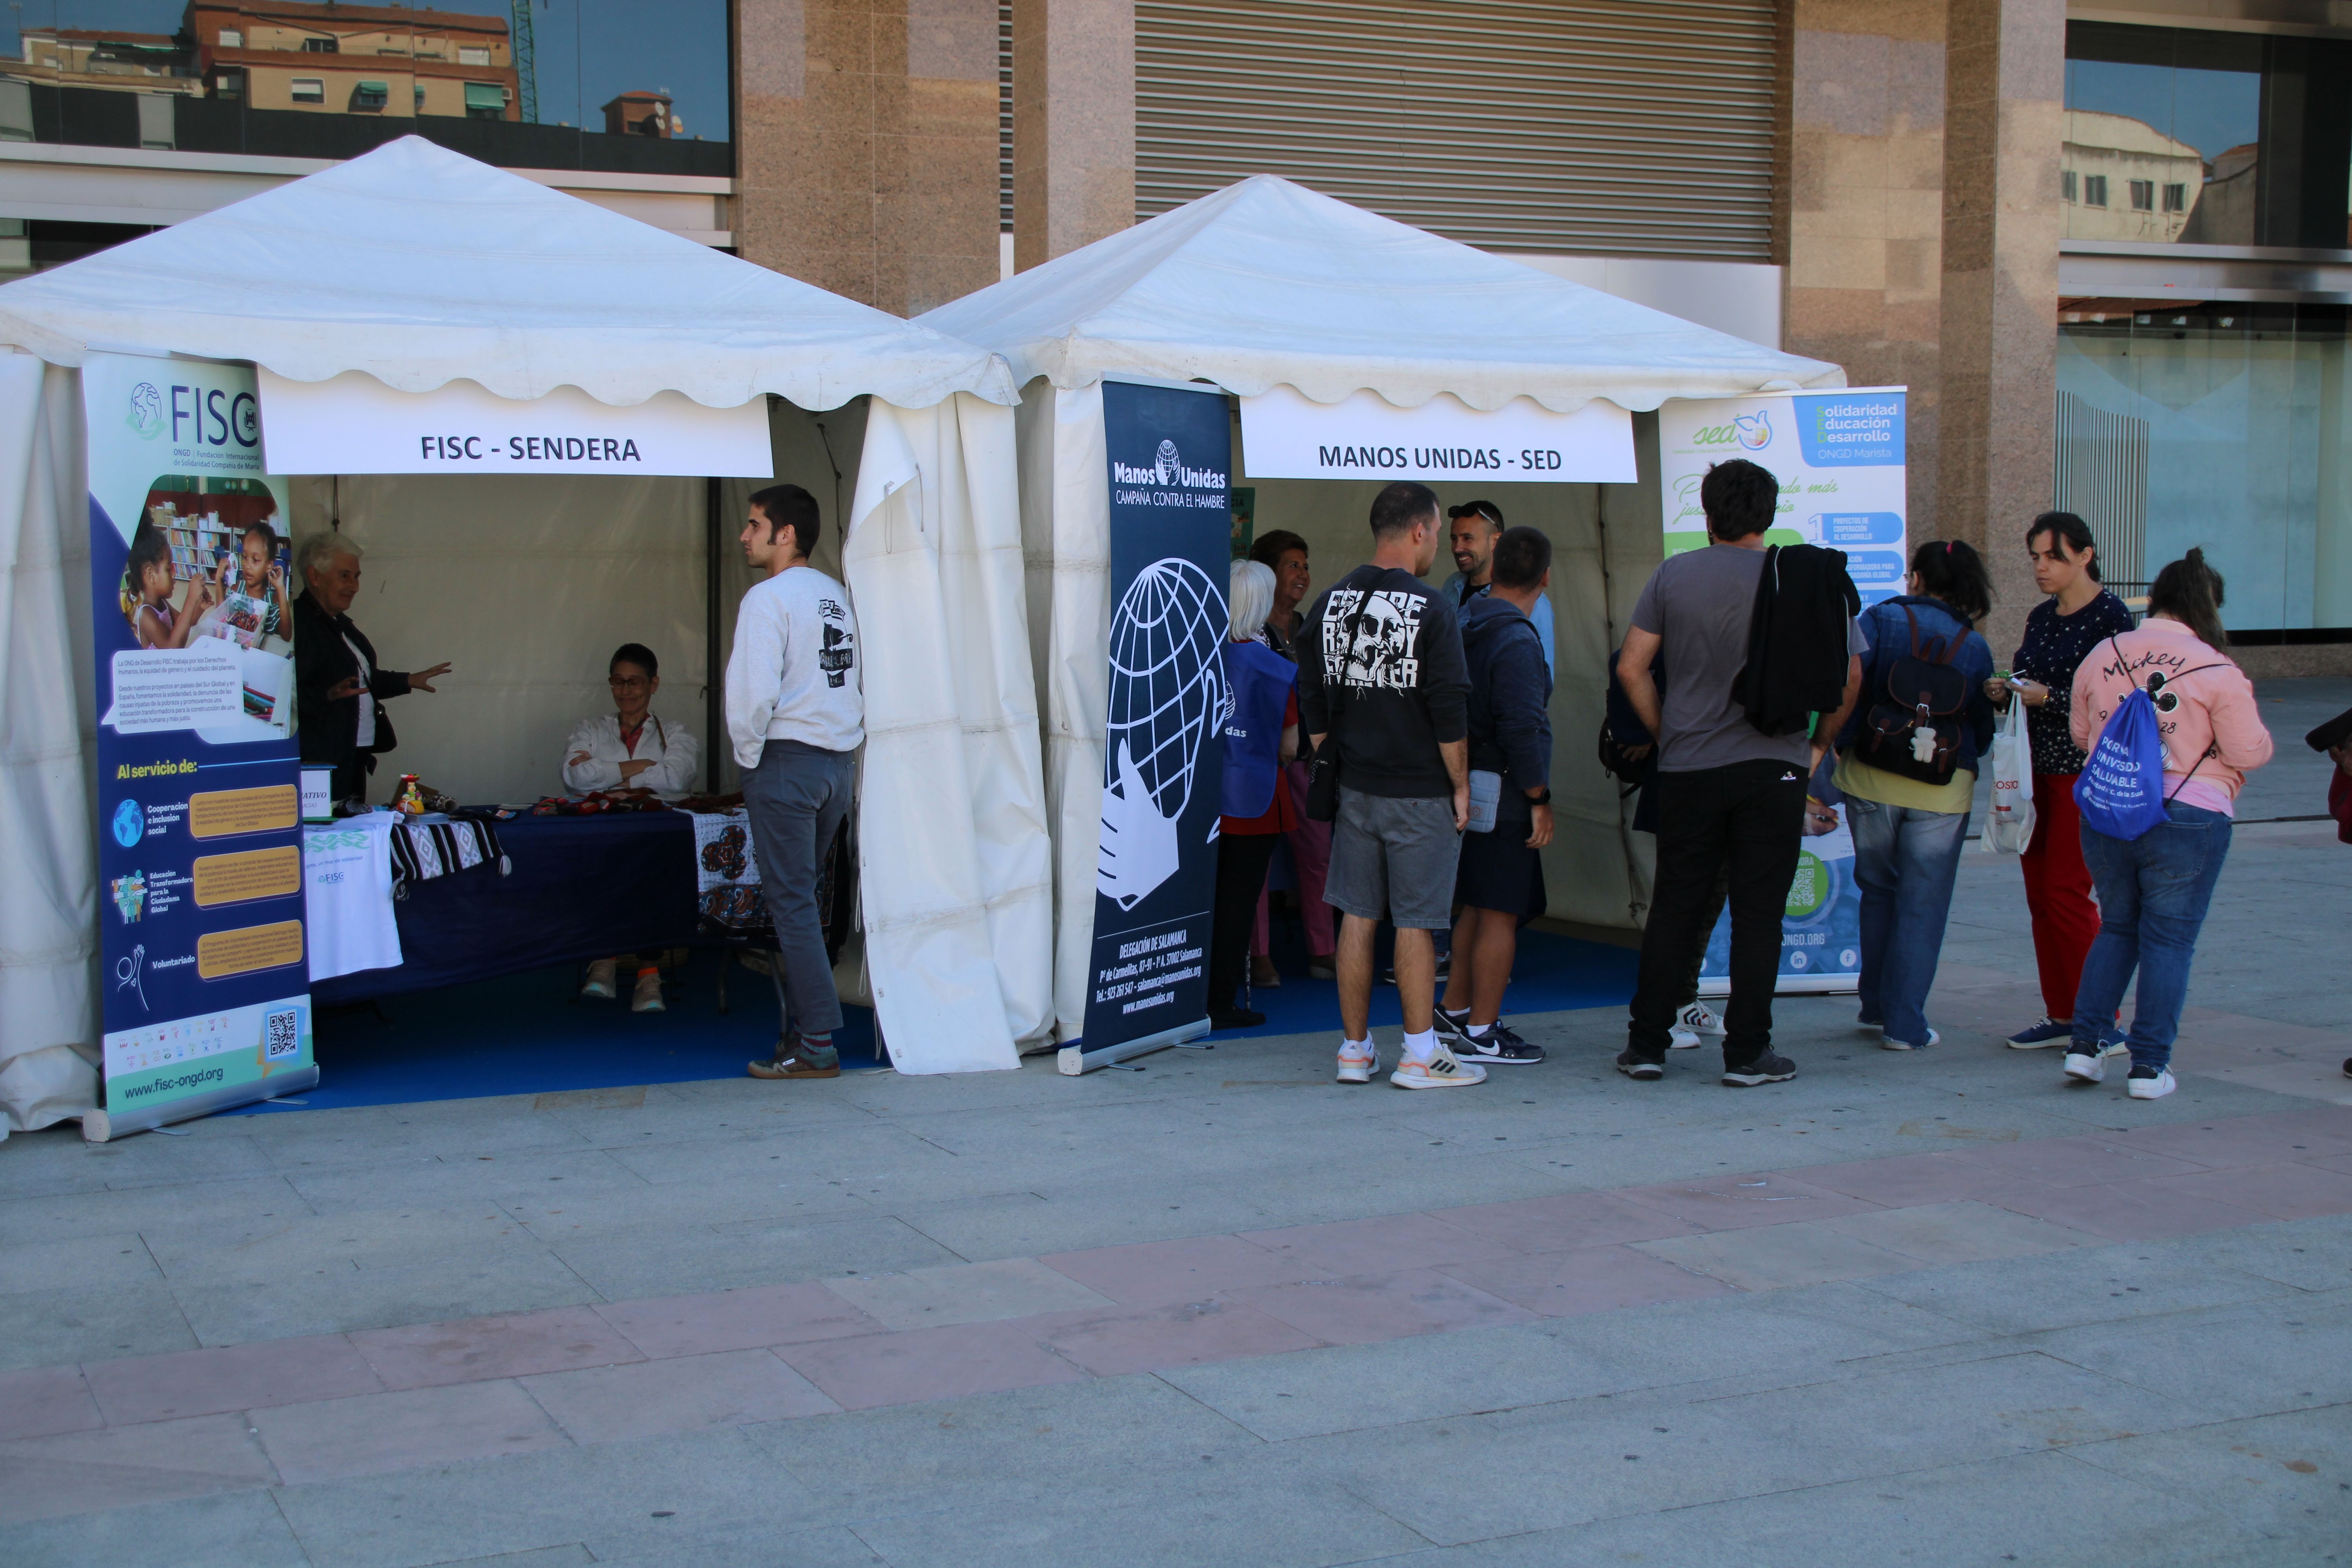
x: 1139, y: 845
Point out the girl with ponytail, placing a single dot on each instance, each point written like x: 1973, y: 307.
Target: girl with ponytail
x: 2153, y: 889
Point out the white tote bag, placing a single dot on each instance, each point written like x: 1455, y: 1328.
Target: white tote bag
x: 2011, y: 827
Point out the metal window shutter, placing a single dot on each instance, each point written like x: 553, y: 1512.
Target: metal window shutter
x: 1611, y: 128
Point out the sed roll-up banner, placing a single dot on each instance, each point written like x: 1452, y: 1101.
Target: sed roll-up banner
x: 1821, y: 930
x: 206, y: 988
x: 1171, y: 457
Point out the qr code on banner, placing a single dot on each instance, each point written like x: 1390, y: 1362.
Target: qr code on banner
x: 283, y: 1038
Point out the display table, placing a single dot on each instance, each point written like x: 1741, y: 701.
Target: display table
x: 581, y: 887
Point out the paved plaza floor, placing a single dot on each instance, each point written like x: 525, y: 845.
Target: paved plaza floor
x: 1925, y: 1308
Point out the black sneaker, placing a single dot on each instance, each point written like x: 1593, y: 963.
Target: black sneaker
x: 795, y: 1058
x: 1499, y: 1043
x: 1765, y: 1068
x: 1633, y: 1064
x: 1453, y: 1028
x: 1235, y: 1018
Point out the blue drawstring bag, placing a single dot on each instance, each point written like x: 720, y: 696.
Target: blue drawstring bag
x: 2121, y: 790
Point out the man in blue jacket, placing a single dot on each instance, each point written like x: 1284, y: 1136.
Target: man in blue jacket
x: 1499, y: 883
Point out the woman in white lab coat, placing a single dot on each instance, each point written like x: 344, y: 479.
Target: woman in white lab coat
x: 630, y: 747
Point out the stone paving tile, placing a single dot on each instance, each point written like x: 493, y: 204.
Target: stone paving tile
x: 1959, y: 1233
x: 1729, y: 1203
x: 736, y: 1319
x: 965, y: 1293
x: 1369, y: 1246
x: 652, y: 1260
x: 334, y: 1300
x: 1777, y: 1257
x: 2278, y: 1192
x: 2310, y: 1255
x: 270, y: 1248
x: 474, y: 1349
x: 2073, y: 1289
x: 1148, y: 1339
x: 2073, y: 1162
x: 1564, y: 1223
x: 1030, y: 1225
x: 83, y: 1472
x: 38, y: 1401
x: 2283, y: 1354
x: 1373, y: 1307
x: 221, y: 1530
x: 46, y: 1327
x: 951, y: 1363
x: 2124, y: 1211
x: 87, y: 1261
x: 404, y: 1431
x: 1590, y: 1280
x: 837, y: 1547
x: 236, y: 1377
x: 1163, y: 1273
x: 2251, y: 1140
x: 685, y: 1394
x: 1909, y: 1179
x: 2279, y: 1479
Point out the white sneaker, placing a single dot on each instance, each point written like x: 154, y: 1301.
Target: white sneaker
x: 1679, y: 1038
x: 1443, y: 1070
x: 647, y: 997
x: 2083, y: 1068
x: 1699, y: 1019
x: 599, y: 984
x: 2155, y: 1088
x: 1359, y: 1068
x: 1892, y: 1044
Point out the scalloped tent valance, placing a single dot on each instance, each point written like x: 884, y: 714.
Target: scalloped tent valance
x: 1266, y: 283
x: 421, y: 266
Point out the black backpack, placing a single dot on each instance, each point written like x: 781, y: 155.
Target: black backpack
x: 1913, y: 728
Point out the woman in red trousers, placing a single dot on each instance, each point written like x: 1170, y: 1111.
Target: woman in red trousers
x: 2079, y: 615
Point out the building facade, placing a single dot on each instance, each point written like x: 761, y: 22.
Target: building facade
x: 2106, y: 245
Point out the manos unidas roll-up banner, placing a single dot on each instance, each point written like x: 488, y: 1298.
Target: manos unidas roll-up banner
x: 1171, y: 457
x: 205, y: 988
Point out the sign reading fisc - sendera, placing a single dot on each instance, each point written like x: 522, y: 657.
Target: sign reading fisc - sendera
x: 203, y: 983
x: 354, y: 423
x: 1285, y: 436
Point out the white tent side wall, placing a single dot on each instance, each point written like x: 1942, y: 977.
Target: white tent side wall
x: 955, y: 890
x: 48, y: 920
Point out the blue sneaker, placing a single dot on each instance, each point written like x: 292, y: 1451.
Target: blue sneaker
x: 2040, y: 1033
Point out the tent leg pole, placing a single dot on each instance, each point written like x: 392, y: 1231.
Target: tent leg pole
x: 714, y: 707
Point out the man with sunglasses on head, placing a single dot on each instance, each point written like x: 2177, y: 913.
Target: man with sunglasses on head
x: 1472, y: 530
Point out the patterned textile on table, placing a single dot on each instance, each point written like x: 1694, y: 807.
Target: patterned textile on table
x: 423, y: 850
x: 727, y: 877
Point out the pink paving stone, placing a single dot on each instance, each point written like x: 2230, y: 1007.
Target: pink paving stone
x: 1564, y: 1222
x: 743, y: 1320
x: 1109, y: 1344
x: 84, y: 1472
x: 2277, y: 1192
x: 1162, y: 1273
x: 1371, y: 1308
x: 1736, y: 1203
x: 38, y: 1401
x: 1378, y: 1246
x: 1908, y: 1181
x: 951, y: 1362
x: 683, y: 1394
x: 473, y: 1349
x: 1593, y: 1280
x: 2074, y: 1162
x: 404, y: 1431
x: 2125, y: 1211
x: 2244, y: 1141
x: 230, y: 1377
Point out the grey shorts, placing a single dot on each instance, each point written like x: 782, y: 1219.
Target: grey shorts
x: 1394, y: 858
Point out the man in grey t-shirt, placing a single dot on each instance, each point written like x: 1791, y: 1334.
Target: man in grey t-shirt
x: 1728, y: 795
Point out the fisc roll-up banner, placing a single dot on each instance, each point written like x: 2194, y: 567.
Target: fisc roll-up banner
x: 1839, y: 457
x: 1171, y: 456
x: 204, y: 977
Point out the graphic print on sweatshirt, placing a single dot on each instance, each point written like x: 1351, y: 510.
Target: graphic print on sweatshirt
x: 1385, y: 655
x: 838, y: 656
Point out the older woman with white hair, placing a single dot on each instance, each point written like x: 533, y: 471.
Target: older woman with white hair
x: 1262, y: 736
x: 339, y: 684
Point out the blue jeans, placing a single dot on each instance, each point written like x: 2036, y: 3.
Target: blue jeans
x: 1904, y: 861
x: 2153, y: 894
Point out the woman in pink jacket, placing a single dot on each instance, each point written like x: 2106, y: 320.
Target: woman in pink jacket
x: 2153, y: 889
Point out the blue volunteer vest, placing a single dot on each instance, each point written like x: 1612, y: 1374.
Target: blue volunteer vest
x: 1261, y: 679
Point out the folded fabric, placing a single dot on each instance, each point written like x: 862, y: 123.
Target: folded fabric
x: 423, y: 850
x: 347, y: 896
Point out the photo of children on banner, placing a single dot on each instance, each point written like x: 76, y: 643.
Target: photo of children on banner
x: 194, y: 571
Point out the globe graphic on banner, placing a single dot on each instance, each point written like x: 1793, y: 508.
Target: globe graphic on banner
x: 1167, y: 688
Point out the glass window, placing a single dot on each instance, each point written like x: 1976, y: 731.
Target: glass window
x: 305, y: 78
x: 2220, y: 425
x: 2205, y: 114
x: 2066, y: 187
x: 2095, y: 190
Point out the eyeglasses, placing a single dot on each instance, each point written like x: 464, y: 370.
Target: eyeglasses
x: 627, y: 682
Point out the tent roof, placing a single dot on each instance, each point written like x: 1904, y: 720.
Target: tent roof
x: 1266, y: 282
x: 421, y: 266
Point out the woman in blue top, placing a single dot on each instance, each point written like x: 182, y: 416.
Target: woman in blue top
x: 1261, y: 735
x: 1907, y: 767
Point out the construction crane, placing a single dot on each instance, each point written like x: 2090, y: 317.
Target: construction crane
x: 526, y: 61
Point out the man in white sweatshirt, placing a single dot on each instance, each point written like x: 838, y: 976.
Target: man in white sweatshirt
x: 795, y: 717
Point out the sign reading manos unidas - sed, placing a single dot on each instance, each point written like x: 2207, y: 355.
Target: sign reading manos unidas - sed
x: 1286, y: 436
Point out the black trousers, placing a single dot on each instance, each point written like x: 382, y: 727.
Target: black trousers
x: 1744, y: 823
x: 1241, y: 861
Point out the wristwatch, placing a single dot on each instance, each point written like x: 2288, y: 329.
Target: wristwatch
x: 1543, y: 799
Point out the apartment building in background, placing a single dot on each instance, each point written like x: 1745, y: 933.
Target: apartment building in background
x: 2108, y: 246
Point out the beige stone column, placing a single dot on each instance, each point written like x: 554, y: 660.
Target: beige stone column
x: 1073, y: 124
x: 2005, y: 65
x: 1862, y: 213
x: 867, y: 146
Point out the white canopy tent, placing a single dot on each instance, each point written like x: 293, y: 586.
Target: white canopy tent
x: 420, y: 267
x: 1267, y: 284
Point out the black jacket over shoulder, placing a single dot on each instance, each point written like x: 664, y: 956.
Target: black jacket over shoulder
x: 322, y: 658
x: 1797, y: 641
